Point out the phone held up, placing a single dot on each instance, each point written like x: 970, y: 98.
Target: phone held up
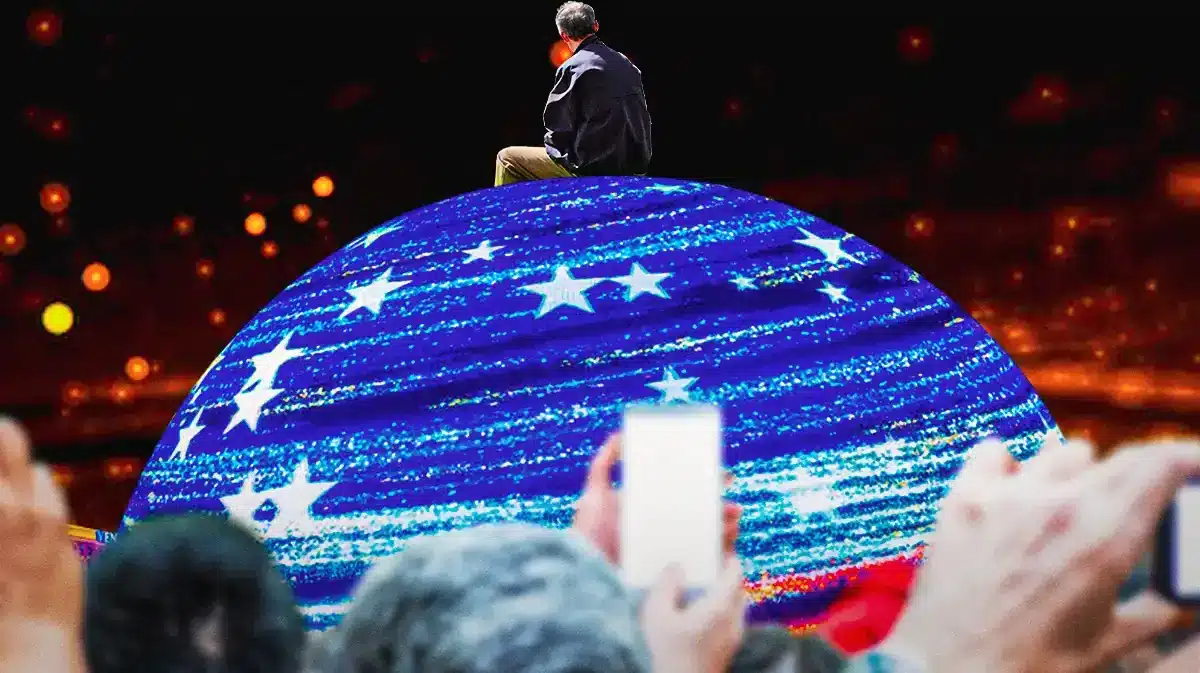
x: 1176, y: 573
x: 672, y: 467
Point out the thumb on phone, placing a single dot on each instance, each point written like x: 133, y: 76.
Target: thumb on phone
x: 666, y: 596
x: 728, y: 595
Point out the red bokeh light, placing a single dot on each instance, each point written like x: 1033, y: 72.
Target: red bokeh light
x: 1183, y: 184
x: 44, y: 27
x: 915, y: 44
x: 1045, y: 101
x: 734, y: 108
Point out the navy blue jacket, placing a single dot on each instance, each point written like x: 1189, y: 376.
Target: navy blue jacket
x: 597, y: 122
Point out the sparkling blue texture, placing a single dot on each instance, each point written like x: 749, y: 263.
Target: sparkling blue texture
x: 461, y: 363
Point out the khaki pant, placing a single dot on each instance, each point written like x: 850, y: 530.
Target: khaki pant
x: 521, y: 164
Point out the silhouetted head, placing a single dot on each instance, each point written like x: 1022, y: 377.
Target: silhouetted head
x: 492, y: 599
x: 575, y: 22
x: 774, y: 649
x: 189, y: 594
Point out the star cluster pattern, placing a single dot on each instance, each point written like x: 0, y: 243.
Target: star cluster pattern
x: 460, y: 365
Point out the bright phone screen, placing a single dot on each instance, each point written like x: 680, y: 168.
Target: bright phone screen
x: 671, y: 466
x: 1187, y: 541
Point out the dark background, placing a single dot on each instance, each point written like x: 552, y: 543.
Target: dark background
x: 1038, y: 170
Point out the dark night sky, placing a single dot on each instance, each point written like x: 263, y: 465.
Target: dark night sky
x: 215, y: 116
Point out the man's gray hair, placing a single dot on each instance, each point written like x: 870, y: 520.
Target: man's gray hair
x: 506, y: 598
x: 575, y: 19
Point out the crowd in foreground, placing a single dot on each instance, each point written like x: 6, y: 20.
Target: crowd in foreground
x: 1022, y: 574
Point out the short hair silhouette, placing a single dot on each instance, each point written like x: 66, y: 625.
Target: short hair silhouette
x: 774, y: 649
x: 508, y: 598
x: 575, y: 19
x: 184, y: 594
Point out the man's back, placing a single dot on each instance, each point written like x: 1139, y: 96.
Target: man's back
x: 597, y: 121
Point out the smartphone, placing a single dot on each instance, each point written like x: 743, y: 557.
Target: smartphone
x: 672, y: 465
x: 1176, y: 574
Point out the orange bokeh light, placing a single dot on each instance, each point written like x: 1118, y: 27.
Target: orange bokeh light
x: 301, y: 213
x: 137, y: 368
x: 74, y: 393
x: 183, y: 224
x: 96, y: 277
x: 216, y: 317
x: 44, y: 27
x: 255, y: 224
x: 12, y: 239
x: 205, y: 268
x: 322, y: 186
x: 55, y: 198
x: 919, y: 226
x: 270, y: 249
x: 121, y: 392
x: 559, y: 53
x: 1152, y: 285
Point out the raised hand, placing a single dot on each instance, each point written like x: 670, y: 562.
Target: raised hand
x: 598, y: 511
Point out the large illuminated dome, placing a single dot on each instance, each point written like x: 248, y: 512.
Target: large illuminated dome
x: 461, y: 363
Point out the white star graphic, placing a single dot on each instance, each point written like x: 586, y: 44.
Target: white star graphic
x: 563, y: 290
x: 186, y: 435
x: 249, y: 406
x: 639, y: 282
x: 673, y: 387
x: 371, y: 295
x: 483, y: 253
x: 294, y: 503
x: 376, y: 234
x: 743, y: 283
x: 836, y: 294
x: 830, y: 247
x: 243, y: 504
x: 266, y: 365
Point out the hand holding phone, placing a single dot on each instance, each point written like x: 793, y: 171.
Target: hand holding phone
x: 671, y: 510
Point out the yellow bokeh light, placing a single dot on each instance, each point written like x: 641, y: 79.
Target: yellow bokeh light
x: 256, y: 224
x: 96, y: 277
x: 58, y: 318
x: 137, y: 368
x: 322, y: 186
x: 301, y: 213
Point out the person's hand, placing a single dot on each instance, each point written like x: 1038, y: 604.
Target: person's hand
x: 41, y: 577
x: 701, y: 637
x: 598, y: 511
x: 1024, y: 563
